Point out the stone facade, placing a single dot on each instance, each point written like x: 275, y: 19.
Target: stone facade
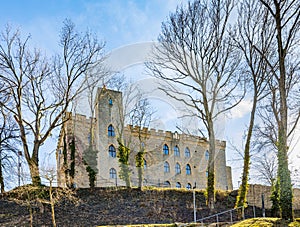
x: 171, y: 159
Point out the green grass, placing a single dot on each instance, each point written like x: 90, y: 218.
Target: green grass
x: 266, y: 222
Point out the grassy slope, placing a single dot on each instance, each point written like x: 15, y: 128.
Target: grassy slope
x: 266, y: 222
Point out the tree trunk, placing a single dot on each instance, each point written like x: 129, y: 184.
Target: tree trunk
x: 1, y: 176
x: 34, y: 172
x: 211, y: 169
x: 286, y: 193
x: 52, y: 205
x: 241, y: 198
x: 140, y: 180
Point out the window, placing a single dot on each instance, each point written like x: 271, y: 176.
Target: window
x: 166, y: 167
x: 206, y: 173
x: 145, y: 164
x: 111, y: 130
x: 187, y: 152
x: 206, y: 155
x: 176, y: 151
x: 178, y: 185
x: 188, y: 186
x: 167, y: 184
x: 177, y: 168
x: 89, y: 138
x: 110, y: 101
x: 188, y: 169
x: 166, y: 149
x: 112, y: 151
x: 112, y: 173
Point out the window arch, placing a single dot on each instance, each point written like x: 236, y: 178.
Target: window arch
x: 187, y: 152
x: 112, y: 151
x: 188, y: 169
x: 166, y: 167
x: 177, y: 168
x: 167, y: 184
x: 176, y: 151
x: 112, y: 173
x: 206, y: 155
x: 111, y: 130
x: 166, y: 149
x: 178, y: 185
x: 188, y: 186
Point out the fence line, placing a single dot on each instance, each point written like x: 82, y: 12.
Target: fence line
x: 217, y: 218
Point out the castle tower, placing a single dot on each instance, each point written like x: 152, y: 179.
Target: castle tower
x: 109, y: 114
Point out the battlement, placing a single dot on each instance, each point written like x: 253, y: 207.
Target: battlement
x: 172, y: 135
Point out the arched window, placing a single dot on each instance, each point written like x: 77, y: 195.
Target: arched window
x: 177, y: 168
x: 178, y: 185
x: 176, y: 151
x: 187, y: 152
x: 188, y: 186
x: 112, y: 173
x: 166, y: 149
x: 166, y: 167
x: 167, y: 184
x: 145, y: 164
x: 110, y: 101
x: 206, y: 155
x: 188, y: 169
x: 112, y: 151
x: 111, y: 130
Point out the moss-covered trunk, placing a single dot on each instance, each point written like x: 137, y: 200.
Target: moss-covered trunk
x: 242, y: 194
x: 211, y: 170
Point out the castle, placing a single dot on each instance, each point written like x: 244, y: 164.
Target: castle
x: 89, y: 146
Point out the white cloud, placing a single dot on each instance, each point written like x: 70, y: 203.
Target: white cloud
x: 242, y: 109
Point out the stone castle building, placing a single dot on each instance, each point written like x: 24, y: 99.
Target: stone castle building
x: 171, y: 159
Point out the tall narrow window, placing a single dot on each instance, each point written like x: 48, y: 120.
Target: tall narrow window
x: 145, y: 164
x: 112, y: 151
x: 166, y: 167
x: 177, y: 168
x: 112, y: 173
x: 188, y: 169
x: 111, y: 130
x: 176, y: 151
x: 206, y: 155
x: 166, y: 149
x: 110, y: 101
x: 187, y: 152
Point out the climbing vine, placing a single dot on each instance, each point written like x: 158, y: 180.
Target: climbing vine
x: 123, y: 155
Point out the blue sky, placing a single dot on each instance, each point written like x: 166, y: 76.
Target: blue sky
x: 118, y: 22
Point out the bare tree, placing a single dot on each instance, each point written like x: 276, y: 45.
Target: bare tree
x: 251, y: 31
x: 41, y: 90
x: 55, y: 194
x: 9, y: 142
x: 141, y: 116
x: 265, y: 168
x: 284, y: 16
x: 196, y: 54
